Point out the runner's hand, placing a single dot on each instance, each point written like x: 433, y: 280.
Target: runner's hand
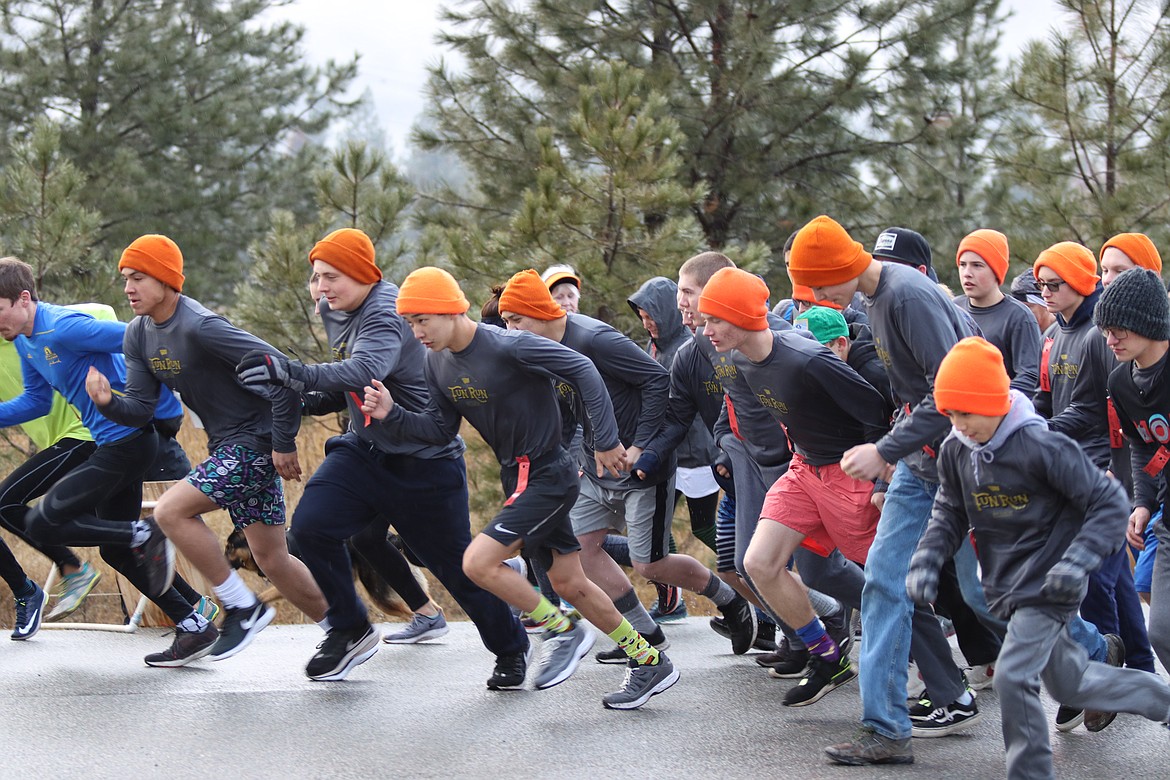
x: 378, y: 401
x: 612, y: 461
x: 98, y: 387
x: 287, y: 464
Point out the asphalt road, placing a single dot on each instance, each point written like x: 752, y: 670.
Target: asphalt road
x: 78, y: 703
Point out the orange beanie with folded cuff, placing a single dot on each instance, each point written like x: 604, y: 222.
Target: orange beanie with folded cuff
x: 736, y: 296
x: 992, y: 246
x: 1137, y: 247
x: 350, y: 251
x: 431, y: 290
x: 823, y: 254
x: 1072, y: 263
x: 527, y: 295
x: 972, y: 379
x: 156, y: 256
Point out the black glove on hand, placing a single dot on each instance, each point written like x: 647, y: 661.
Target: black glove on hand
x: 922, y: 579
x: 1066, y: 584
x: 266, y: 368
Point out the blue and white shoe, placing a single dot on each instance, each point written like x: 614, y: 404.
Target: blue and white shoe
x: 28, y: 614
x: 419, y: 629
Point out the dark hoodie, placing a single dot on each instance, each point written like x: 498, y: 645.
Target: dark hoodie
x: 1079, y: 364
x: 1032, y: 500
x: 658, y: 297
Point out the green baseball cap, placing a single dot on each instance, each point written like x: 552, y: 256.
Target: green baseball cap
x: 825, y: 324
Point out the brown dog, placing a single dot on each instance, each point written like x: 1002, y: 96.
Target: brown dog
x: 239, y: 555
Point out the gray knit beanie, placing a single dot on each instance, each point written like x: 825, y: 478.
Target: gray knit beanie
x: 1137, y: 302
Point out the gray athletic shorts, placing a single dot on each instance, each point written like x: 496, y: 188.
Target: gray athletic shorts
x: 645, y: 513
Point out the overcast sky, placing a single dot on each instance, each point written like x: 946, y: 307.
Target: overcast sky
x: 396, y: 43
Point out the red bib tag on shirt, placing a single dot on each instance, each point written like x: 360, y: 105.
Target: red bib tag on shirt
x: 521, y: 480
x: 1158, y: 462
x: 1116, y: 440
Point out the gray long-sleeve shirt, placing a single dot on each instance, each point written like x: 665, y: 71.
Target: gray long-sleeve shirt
x: 824, y: 405
x: 503, y: 384
x: 195, y: 352
x: 638, y: 387
x: 374, y: 342
x: 914, y: 326
x: 1011, y: 326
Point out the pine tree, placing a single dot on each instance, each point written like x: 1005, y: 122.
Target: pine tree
x: 44, y: 223
x: 1089, y: 152
x: 178, y: 113
x: 775, y: 102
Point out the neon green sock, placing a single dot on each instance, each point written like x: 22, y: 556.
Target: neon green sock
x: 549, y: 617
x: 634, y: 644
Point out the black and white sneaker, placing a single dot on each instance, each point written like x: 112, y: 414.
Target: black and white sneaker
x: 156, y: 558
x: 740, y: 620
x: 786, y: 663
x: 27, y: 613
x: 240, y: 627
x: 948, y: 719
x: 821, y: 678
x: 188, y: 646
x: 615, y: 654
x: 642, y: 681
x: 341, y: 650
x: 511, y: 669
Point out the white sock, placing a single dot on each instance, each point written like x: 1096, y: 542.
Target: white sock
x: 324, y: 624
x: 965, y: 699
x: 234, y: 594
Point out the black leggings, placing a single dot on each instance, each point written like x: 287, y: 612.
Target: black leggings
x: 28, y: 481
x: 108, y: 484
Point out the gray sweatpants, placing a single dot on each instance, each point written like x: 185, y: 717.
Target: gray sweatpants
x: 1160, y: 595
x: 1039, y: 647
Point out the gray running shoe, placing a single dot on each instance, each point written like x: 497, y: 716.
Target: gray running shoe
x: 240, y: 627
x: 72, y: 590
x: 561, y: 654
x: 869, y: 747
x: 419, y: 629
x: 188, y: 646
x: 642, y: 681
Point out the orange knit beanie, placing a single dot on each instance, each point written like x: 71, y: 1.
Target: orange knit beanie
x: 431, y: 290
x: 156, y: 256
x: 1137, y: 247
x: 992, y: 246
x: 527, y: 295
x: 350, y: 251
x: 736, y: 296
x: 1072, y: 263
x: 972, y: 379
x: 823, y: 254
x: 804, y: 293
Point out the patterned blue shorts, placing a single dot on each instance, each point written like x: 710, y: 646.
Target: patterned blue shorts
x: 242, y: 481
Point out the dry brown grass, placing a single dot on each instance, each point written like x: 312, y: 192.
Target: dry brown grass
x: 106, y: 604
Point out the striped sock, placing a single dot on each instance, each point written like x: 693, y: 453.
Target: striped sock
x: 549, y: 617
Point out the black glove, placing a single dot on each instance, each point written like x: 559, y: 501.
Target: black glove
x: 647, y: 463
x: 1066, y: 584
x: 267, y: 368
x: 922, y: 579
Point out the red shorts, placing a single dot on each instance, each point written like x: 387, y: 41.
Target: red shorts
x: 830, y: 508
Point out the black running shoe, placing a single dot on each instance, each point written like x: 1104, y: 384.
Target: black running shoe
x: 822, y: 677
x: 28, y: 611
x: 341, y: 650
x: 156, y: 558
x: 765, y: 636
x: 741, y: 622
x: 188, y: 646
x: 511, y: 668
x: 838, y: 629
x: 240, y: 627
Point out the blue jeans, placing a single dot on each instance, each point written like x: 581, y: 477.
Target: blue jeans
x: 887, y: 615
